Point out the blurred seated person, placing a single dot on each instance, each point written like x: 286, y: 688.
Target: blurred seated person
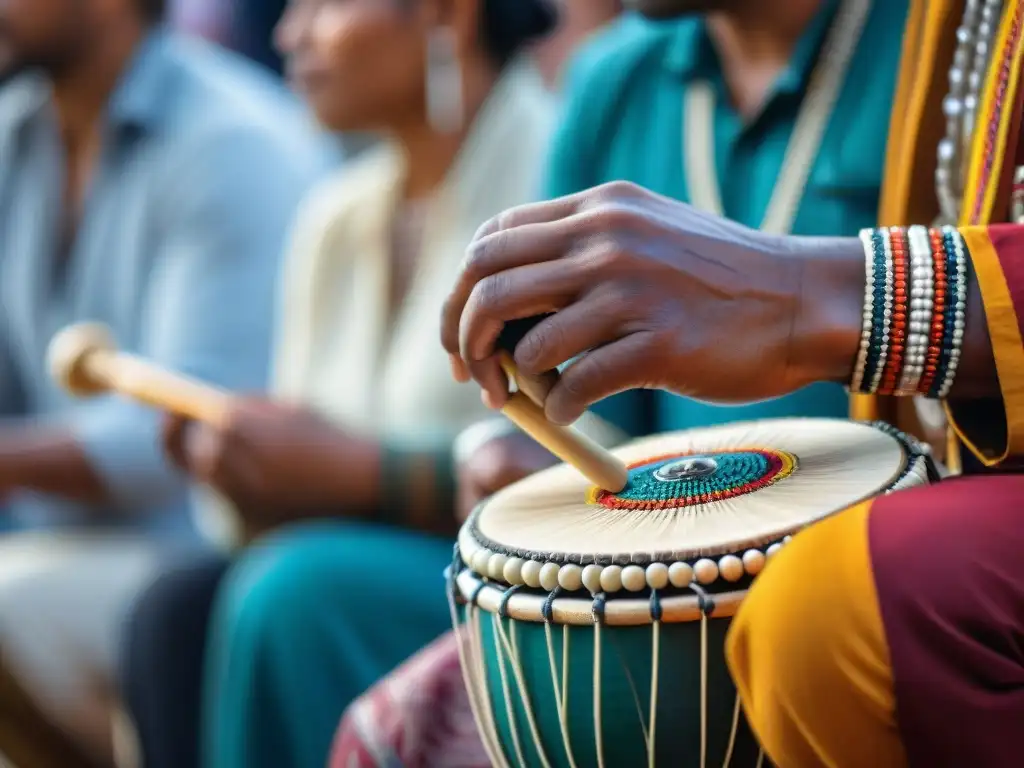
x: 249, y: 30
x: 352, y: 457
x: 147, y: 184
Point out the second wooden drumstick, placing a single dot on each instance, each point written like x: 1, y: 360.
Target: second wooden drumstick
x: 84, y: 359
x: 525, y: 408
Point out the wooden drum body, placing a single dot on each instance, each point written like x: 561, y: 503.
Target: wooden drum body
x: 593, y: 625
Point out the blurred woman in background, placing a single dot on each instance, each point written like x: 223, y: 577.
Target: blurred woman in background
x: 357, y: 440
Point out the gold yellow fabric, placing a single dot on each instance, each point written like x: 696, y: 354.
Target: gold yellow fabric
x: 977, y: 180
x: 821, y: 696
x: 1002, y: 316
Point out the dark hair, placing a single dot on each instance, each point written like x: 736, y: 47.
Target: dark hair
x: 506, y: 26
x: 152, y: 10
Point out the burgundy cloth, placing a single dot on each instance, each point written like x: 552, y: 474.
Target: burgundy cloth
x: 419, y: 717
x: 1008, y: 240
x: 948, y: 563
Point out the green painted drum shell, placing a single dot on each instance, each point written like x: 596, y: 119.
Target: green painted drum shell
x: 626, y: 661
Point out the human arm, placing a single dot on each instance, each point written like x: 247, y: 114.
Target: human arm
x: 666, y: 296
x: 278, y: 463
x: 226, y: 202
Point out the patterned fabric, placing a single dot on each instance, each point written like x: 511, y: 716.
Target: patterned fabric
x: 419, y: 717
x: 996, y: 118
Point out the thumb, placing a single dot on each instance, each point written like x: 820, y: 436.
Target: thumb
x: 173, y: 439
x: 202, y: 449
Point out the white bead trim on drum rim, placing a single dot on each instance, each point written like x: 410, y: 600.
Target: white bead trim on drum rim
x: 579, y: 611
x: 516, y: 571
x: 705, y: 571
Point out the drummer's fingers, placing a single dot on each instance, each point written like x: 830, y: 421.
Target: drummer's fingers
x: 601, y: 373
x: 494, y: 254
x: 213, y: 462
x: 492, y: 379
x: 531, y: 213
x: 591, y: 322
x: 513, y: 294
x: 173, y: 438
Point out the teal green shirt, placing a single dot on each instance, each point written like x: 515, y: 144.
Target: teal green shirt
x: 624, y: 120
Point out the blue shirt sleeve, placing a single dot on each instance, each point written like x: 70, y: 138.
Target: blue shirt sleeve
x: 209, y: 305
x: 12, y: 391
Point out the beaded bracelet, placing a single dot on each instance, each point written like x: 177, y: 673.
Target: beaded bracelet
x: 915, y: 297
x: 954, y: 329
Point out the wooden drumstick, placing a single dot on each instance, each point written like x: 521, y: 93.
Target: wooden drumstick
x: 525, y: 409
x: 85, y: 361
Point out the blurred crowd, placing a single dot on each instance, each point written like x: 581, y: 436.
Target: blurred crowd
x: 271, y: 196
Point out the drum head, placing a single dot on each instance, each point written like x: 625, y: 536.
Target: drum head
x: 693, y: 494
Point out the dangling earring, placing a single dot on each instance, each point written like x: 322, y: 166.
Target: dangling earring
x: 444, y: 82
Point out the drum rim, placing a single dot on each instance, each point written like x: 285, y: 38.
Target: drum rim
x: 916, y: 456
x: 579, y: 611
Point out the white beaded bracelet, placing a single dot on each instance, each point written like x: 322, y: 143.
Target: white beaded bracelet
x: 857, y: 382
x: 921, y: 296
x: 958, y: 284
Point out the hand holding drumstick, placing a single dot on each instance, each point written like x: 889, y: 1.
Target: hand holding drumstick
x: 274, y: 461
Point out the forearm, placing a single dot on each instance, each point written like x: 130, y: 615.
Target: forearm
x: 410, y: 486
x: 417, y: 486
x: 104, y: 452
x: 49, y: 460
x: 828, y: 326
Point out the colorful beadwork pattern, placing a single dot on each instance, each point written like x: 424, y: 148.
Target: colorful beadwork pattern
x: 738, y: 472
x: 995, y: 123
x: 913, y: 315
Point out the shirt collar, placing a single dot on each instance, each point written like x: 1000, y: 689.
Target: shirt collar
x: 691, y: 53
x: 139, y: 99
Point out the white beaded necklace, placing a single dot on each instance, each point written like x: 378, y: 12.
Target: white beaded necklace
x: 808, y: 131
x: 974, y: 41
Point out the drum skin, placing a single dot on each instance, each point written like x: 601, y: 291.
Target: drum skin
x: 626, y: 656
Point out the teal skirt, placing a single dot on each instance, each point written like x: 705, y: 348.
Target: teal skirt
x: 307, y: 621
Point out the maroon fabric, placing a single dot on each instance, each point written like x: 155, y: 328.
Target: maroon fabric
x: 948, y: 563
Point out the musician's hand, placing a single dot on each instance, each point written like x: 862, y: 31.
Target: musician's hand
x: 276, y: 462
x: 664, y: 295
x: 496, y: 464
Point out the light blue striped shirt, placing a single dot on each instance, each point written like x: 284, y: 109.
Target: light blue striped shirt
x: 204, y: 162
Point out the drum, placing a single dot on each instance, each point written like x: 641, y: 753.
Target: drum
x: 592, y: 624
